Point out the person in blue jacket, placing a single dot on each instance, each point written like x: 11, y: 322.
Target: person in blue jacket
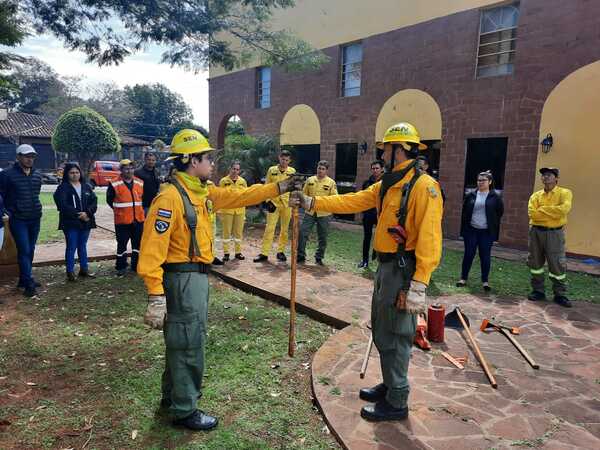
x: 77, y: 205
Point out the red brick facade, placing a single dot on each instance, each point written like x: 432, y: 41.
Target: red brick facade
x: 554, y: 39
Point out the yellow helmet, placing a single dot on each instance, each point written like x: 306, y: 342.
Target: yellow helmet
x: 403, y: 132
x: 188, y: 142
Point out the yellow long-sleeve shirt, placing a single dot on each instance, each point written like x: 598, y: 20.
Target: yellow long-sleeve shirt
x: 423, y: 221
x: 166, y: 237
x: 550, y: 209
x: 315, y: 187
x: 274, y: 175
x: 237, y: 185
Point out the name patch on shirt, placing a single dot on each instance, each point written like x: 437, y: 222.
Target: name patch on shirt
x: 161, y: 226
x: 164, y: 213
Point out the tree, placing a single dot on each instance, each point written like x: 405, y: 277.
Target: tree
x: 256, y: 154
x: 195, y: 32
x: 112, y: 102
x: 158, y: 111
x: 35, y: 84
x: 12, y: 34
x: 85, y: 135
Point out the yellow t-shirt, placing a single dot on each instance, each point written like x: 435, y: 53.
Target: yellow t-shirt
x: 237, y: 185
x: 315, y: 187
x: 274, y: 175
x: 550, y: 209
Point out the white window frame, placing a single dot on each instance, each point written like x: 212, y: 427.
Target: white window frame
x: 345, y: 92
x: 263, y: 88
x: 508, y: 66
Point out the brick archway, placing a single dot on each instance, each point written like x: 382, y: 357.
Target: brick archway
x: 223, y: 127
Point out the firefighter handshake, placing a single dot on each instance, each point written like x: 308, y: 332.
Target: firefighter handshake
x: 408, y: 245
x: 175, y: 255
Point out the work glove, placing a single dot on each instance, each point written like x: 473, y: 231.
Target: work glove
x: 293, y: 183
x: 300, y: 199
x: 416, y: 299
x: 269, y: 206
x: 155, y: 313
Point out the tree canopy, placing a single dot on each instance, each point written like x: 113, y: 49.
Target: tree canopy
x: 85, y: 135
x: 11, y: 35
x: 194, y: 32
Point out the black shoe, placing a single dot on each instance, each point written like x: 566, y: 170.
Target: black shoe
x: 71, y: 276
x: 487, y: 288
x: 536, y: 296
x: 373, y: 394
x: 461, y: 283
x: 225, y: 257
x: 217, y: 262
x: 382, y: 411
x: 86, y: 274
x: 30, y: 291
x: 363, y: 265
x: 261, y: 258
x: 300, y: 259
x: 240, y: 256
x: 281, y: 257
x: 197, y: 421
x: 563, y: 301
x: 319, y: 261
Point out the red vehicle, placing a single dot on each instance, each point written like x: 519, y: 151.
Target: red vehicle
x: 103, y: 172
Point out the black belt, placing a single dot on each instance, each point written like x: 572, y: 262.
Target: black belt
x: 383, y: 257
x: 186, y: 267
x: 539, y: 227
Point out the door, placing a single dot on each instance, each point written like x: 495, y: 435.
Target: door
x: 346, y: 155
x: 485, y: 154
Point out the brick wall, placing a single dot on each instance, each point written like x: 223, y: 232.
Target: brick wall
x: 554, y: 39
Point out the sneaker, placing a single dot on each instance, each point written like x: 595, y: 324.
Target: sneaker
x: 71, y: 276
x: 319, y: 261
x: 240, y: 256
x: 563, y: 301
x: 486, y: 287
x: 225, y: 257
x: 217, y: 262
x: 363, y: 265
x: 30, y: 291
x: 281, y: 257
x: 536, y: 296
x: 86, y: 274
x: 261, y: 258
x: 461, y: 283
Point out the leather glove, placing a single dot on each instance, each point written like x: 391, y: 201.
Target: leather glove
x: 155, y: 313
x: 293, y: 183
x: 300, y: 199
x: 416, y: 299
x: 269, y: 206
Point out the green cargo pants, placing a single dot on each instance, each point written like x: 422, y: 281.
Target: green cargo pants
x: 185, y: 337
x: 322, y: 230
x: 547, y: 245
x: 393, y: 330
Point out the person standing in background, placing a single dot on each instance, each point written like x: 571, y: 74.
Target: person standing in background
x: 149, y: 175
x: 370, y: 216
x: 232, y: 220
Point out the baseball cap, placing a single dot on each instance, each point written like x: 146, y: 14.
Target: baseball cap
x: 25, y: 149
x: 553, y: 170
x: 125, y: 162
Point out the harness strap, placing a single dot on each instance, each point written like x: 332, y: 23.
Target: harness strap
x: 190, y: 217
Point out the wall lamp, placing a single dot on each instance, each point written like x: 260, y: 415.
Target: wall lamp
x: 363, y: 148
x: 547, y: 143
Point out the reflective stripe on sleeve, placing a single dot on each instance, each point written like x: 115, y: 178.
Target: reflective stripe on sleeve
x: 125, y: 205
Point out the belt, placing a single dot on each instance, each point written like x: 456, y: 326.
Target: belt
x: 186, y: 267
x: 383, y: 257
x: 541, y: 228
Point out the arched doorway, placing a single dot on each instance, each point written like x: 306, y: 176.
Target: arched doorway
x: 420, y: 109
x: 571, y: 114
x: 231, y: 124
x: 300, y: 132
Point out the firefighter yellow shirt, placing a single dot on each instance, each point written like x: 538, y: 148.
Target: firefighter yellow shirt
x: 274, y: 175
x: 315, y: 187
x: 550, y: 209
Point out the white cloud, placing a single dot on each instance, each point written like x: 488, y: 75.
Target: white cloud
x: 141, y: 68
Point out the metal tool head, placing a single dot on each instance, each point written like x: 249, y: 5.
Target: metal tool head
x: 452, y: 321
x: 487, y: 324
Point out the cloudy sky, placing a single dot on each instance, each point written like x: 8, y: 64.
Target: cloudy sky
x: 141, y: 68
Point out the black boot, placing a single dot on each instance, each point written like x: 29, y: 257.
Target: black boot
x: 536, y: 296
x: 319, y: 261
x: 383, y: 411
x: 563, y: 301
x: 71, y: 276
x: 217, y: 262
x: 226, y: 257
x: 281, y: 257
x: 373, y: 394
x: 197, y: 421
x: 261, y: 258
x: 240, y: 256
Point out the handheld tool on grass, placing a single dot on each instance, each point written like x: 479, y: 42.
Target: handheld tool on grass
x: 457, y: 320
x: 488, y: 325
x: 365, y: 363
x: 292, y: 332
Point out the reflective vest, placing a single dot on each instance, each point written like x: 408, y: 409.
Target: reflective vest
x: 127, y: 204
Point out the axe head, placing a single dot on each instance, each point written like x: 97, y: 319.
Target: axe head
x: 452, y: 321
x: 486, y: 324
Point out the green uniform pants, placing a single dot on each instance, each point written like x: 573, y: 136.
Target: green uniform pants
x: 547, y: 246
x: 185, y: 337
x: 393, y: 330
x: 322, y: 229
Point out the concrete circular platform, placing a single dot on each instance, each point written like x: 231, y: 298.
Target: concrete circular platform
x: 555, y: 407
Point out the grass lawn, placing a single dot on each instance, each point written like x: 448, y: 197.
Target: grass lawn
x: 79, y: 369
x: 344, y: 249
x: 47, y: 200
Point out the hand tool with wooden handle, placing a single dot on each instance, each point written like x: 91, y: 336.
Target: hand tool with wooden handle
x: 513, y: 341
x: 488, y: 324
x: 292, y: 333
x: 453, y: 360
x: 363, y: 368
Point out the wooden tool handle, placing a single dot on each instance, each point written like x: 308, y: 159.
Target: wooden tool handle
x: 478, y: 353
x: 523, y: 352
x: 292, y: 333
x: 363, y: 368
x: 453, y: 360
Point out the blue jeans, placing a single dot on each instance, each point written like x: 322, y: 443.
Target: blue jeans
x: 25, y: 234
x: 476, y: 239
x: 76, y: 240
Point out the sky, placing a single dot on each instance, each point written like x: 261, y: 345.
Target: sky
x: 141, y: 68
